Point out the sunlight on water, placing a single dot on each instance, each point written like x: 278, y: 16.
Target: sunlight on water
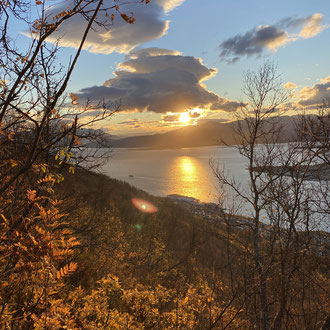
x: 180, y: 171
x: 187, y: 168
x: 189, y: 177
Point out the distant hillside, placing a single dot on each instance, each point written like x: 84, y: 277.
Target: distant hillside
x: 205, y: 134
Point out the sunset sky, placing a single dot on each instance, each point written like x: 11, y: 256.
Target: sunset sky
x: 189, y: 55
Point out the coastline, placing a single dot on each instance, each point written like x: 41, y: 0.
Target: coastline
x: 318, y: 172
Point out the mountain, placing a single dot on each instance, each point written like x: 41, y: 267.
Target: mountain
x: 205, y: 134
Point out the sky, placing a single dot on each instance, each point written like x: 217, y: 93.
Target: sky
x: 188, y: 56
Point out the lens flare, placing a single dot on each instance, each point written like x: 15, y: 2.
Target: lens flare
x: 144, y: 206
x: 138, y: 227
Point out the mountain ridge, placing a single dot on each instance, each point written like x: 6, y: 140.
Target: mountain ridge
x: 209, y: 133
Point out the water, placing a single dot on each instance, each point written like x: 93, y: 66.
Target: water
x: 188, y: 172
x: 176, y: 171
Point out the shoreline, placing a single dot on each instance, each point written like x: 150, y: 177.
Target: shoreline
x: 210, y: 211
x: 213, y: 212
x: 318, y: 172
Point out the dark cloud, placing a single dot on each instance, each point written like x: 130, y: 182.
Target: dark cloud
x: 315, y: 96
x: 129, y: 122
x: 121, y: 37
x: 252, y: 42
x: 159, y: 81
x: 132, y: 123
x: 270, y: 37
x: 228, y: 106
x: 175, y: 117
x: 291, y: 22
x: 193, y: 114
x: 171, y: 118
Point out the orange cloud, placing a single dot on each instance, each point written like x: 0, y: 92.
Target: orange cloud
x: 313, y: 27
x: 290, y: 85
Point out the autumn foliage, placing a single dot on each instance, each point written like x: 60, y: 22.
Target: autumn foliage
x: 67, y: 261
x: 74, y: 251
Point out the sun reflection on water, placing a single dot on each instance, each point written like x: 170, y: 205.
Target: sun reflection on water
x: 187, y: 168
x: 188, y: 177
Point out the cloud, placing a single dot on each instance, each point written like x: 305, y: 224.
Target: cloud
x: 132, y: 123
x: 270, y: 37
x: 175, y: 117
x: 194, y: 114
x: 290, y: 85
x: 172, y: 118
x: 168, y: 5
x: 160, y: 81
x: 150, y: 24
x: 129, y: 122
x: 325, y: 80
x: 310, y: 26
x: 315, y: 96
x: 253, y: 42
x: 152, y: 51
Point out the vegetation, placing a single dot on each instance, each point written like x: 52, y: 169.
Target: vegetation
x: 105, y: 264
x: 75, y: 252
x: 93, y: 260
x: 281, y: 195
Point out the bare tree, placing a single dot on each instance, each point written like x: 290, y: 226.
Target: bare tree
x: 275, y: 239
x: 42, y: 132
x: 34, y: 113
x: 313, y: 133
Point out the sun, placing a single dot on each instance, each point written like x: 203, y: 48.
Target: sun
x: 185, y: 117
